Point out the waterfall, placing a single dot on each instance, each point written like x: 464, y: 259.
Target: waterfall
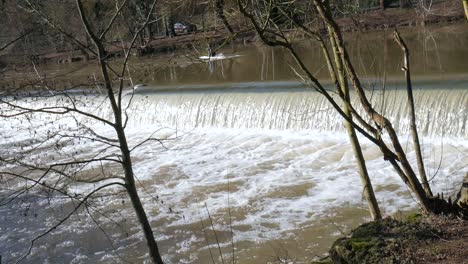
x: 278, y: 182
x: 440, y: 112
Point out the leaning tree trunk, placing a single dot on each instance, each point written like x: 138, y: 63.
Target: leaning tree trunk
x: 462, y: 195
x: 368, y: 192
x: 133, y: 194
x: 344, y: 94
x: 405, y: 171
x: 465, y: 6
x: 124, y: 149
x: 127, y: 164
x: 413, y: 127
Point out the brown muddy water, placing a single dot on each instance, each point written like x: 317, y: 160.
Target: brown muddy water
x: 253, y: 164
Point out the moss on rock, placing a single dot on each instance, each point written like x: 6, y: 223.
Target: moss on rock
x: 378, y: 241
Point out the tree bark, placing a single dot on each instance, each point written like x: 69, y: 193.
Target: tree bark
x: 368, y: 191
x: 133, y: 194
x: 413, y: 127
x: 126, y: 157
x: 462, y: 195
x: 465, y: 7
x: 361, y: 163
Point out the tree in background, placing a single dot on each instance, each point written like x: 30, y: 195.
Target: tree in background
x: 384, y: 4
x: 405, y: 3
x: 219, y: 4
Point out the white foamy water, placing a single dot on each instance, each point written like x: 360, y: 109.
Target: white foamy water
x: 275, y: 163
x: 220, y: 56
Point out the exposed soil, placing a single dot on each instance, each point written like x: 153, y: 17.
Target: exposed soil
x: 451, y: 246
x: 428, y: 239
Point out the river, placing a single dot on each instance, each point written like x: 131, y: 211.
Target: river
x: 250, y: 157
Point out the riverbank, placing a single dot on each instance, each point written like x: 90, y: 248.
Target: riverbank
x: 442, y: 12
x: 417, y: 239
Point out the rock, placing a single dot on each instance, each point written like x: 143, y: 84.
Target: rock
x: 377, y: 241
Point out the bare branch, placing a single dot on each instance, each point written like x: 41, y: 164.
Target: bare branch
x: 128, y: 52
x: 22, y: 35
x: 55, y: 26
x: 413, y: 127
x: 111, y: 22
x: 65, y: 218
x: 56, y: 110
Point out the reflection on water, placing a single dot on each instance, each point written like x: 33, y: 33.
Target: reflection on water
x: 269, y: 161
x: 435, y: 52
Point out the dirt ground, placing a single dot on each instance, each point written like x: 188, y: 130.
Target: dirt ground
x: 451, y: 246
x: 412, y: 240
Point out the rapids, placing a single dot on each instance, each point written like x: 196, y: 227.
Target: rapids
x: 268, y: 161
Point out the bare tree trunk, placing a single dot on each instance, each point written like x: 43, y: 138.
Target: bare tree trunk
x: 165, y: 24
x: 133, y: 193
x: 383, y: 4
x: 409, y: 175
x: 405, y: 3
x: 219, y: 4
x: 126, y: 158
x: 170, y: 24
x: 413, y: 128
x: 465, y: 6
x: 361, y: 163
x: 368, y: 190
x: 462, y: 195
x: 203, y: 22
x: 343, y: 91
